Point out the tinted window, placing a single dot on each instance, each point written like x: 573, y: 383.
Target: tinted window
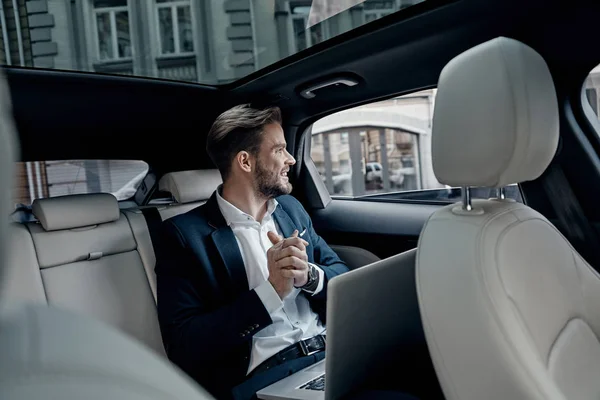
x: 40, y: 179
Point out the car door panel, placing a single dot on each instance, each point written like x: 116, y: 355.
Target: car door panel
x: 383, y: 228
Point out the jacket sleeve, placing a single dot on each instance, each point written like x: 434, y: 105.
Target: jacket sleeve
x: 192, y: 330
x: 326, y: 259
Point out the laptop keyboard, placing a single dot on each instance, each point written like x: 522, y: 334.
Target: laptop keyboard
x: 316, y: 384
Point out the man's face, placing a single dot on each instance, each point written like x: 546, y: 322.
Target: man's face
x: 273, y: 163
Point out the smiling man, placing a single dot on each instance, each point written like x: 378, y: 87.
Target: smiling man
x: 242, y: 279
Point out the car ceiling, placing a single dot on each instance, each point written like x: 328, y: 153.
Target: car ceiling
x: 72, y: 115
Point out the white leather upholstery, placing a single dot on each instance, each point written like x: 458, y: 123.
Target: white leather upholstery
x: 139, y: 227
x: 172, y: 210
x: 22, y: 280
x: 190, y: 186
x: 104, y: 271
x: 66, y: 212
x: 51, y: 353
x: 495, y: 112
x: 510, y: 310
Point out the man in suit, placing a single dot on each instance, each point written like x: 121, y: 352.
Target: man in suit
x: 242, y: 279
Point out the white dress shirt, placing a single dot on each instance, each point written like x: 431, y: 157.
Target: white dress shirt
x: 293, y: 319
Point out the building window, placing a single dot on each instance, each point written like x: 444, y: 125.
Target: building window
x: 378, y: 9
x: 113, y: 36
x: 175, y: 30
x: 304, y: 38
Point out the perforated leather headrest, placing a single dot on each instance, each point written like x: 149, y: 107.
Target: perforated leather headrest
x: 76, y: 211
x: 496, y: 116
x: 190, y: 186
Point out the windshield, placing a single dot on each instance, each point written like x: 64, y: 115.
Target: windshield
x: 204, y: 41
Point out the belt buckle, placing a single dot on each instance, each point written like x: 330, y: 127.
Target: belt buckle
x: 308, y: 350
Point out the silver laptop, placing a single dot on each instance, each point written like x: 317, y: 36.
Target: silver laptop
x: 308, y: 383
x: 352, y: 297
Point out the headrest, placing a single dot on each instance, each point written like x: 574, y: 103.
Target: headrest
x: 9, y: 148
x: 76, y: 211
x: 496, y: 116
x: 190, y: 186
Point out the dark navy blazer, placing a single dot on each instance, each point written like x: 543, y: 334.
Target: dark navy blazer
x: 206, y: 311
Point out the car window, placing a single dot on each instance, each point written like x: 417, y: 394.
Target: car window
x: 386, y: 151
x: 591, y: 89
x: 212, y: 42
x: 41, y: 179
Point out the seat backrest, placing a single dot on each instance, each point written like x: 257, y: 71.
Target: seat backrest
x: 510, y: 310
x: 87, y: 256
x: 189, y: 189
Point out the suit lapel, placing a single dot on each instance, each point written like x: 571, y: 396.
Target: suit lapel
x: 285, y: 223
x: 227, y: 246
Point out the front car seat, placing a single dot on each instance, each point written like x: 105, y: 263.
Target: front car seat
x: 510, y: 309
x: 47, y: 353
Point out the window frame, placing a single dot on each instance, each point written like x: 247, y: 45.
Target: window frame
x: 173, y: 6
x: 113, y: 31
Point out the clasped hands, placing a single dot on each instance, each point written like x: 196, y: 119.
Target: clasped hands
x: 287, y: 262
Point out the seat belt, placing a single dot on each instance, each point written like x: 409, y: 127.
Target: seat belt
x: 572, y: 220
x: 154, y: 221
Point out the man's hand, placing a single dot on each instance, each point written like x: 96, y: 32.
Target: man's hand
x: 287, y: 262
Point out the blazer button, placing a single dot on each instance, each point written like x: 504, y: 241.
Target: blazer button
x: 242, y: 335
x: 246, y: 332
x: 255, y: 326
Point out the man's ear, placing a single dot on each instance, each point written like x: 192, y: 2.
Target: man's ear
x: 244, y: 161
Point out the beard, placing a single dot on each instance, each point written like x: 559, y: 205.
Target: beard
x: 269, y: 184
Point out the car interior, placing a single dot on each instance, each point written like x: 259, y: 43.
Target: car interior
x: 488, y: 177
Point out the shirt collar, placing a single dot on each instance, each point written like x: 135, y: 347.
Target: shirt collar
x: 234, y: 215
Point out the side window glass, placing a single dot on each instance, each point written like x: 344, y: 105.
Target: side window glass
x: 384, y: 149
x: 41, y: 179
x: 591, y: 89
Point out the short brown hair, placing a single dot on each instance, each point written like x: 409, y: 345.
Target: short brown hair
x: 239, y: 128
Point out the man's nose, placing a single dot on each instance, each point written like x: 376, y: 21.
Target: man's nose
x: 291, y: 160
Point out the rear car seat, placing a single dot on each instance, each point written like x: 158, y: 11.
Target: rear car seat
x: 189, y: 189
x: 87, y: 256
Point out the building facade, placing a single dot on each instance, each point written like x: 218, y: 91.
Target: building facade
x: 207, y: 41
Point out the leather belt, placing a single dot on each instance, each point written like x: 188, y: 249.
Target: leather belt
x: 302, y: 348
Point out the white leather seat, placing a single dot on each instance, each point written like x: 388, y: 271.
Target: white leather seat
x: 53, y: 353
x: 510, y: 310
x: 189, y: 189
x: 85, y: 255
